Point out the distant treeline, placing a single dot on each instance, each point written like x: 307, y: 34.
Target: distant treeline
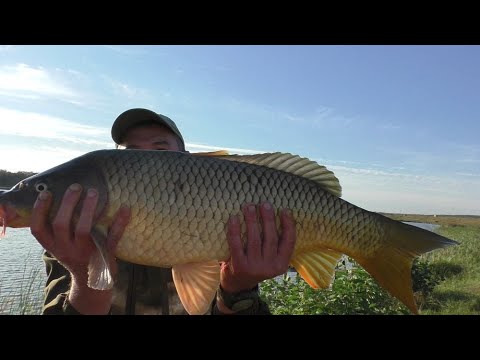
x: 8, y: 179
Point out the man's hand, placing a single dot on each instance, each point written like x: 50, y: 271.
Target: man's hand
x: 260, y: 258
x: 73, y: 246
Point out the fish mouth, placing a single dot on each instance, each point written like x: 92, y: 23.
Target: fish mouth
x: 10, y: 217
x: 3, y: 222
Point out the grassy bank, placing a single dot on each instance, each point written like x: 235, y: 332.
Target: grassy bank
x: 459, y: 220
x: 459, y: 268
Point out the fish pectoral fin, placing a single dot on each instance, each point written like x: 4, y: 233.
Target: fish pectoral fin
x: 196, y: 285
x: 316, y: 267
x: 99, y: 275
x: 211, y: 153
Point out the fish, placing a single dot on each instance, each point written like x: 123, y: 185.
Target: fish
x: 181, y: 203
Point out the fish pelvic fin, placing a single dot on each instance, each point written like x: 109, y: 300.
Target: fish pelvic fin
x: 391, y: 266
x: 196, y: 285
x: 99, y: 275
x: 316, y: 267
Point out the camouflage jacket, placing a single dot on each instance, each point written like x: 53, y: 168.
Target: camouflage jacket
x: 138, y: 289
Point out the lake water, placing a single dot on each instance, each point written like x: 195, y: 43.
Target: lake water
x: 22, y: 271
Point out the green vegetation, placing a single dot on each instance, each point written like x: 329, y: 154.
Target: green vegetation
x: 445, y: 281
x: 459, y: 269
x: 353, y: 292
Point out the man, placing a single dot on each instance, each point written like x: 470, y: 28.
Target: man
x: 68, y: 250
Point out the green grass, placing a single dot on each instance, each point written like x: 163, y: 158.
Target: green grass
x: 459, y: 266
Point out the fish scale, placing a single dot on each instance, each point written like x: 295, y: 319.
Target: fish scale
x: 127, y: 171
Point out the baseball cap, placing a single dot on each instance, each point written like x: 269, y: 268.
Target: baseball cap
x: 135, y: 116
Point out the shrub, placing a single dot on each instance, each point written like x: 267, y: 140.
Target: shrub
x: 354, y: 292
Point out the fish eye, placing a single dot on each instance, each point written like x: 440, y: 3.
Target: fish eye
x: 41, y: 187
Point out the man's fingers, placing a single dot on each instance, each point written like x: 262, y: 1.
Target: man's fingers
x: 289, y: 236
x: 39, y: 225
x: 62, y: 223
x: 234, y: 238
x: 270, y: 234
x: 254, y: 241
x: 119, y: 224
x: 85, y: 221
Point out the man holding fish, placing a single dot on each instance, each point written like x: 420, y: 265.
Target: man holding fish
x: 182, y: 214
x: 143, y: 289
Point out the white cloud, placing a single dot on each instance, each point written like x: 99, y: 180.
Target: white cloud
x: 34, y: 125
x: 320, y: 117
x: 200, y: 148
x: 467, y: 174
x: 389, y: 191
x: 126, y: 90
x: 22, y: 80
x: 36, y: 160
x: 416, y: 201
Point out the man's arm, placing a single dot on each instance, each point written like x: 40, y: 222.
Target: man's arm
x: 57, y: 288
x: 258, y: 307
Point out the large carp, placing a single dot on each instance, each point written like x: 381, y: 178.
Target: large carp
x: 181, y: 203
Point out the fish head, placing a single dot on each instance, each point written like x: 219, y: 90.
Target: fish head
x: 16, y: 204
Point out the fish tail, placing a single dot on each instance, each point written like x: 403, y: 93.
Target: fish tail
x: 391, y: 265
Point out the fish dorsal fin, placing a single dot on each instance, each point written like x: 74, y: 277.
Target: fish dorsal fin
x: 211, y: 153
x: 316, y: 267
x: 196, y: 285
x: 294, y: 164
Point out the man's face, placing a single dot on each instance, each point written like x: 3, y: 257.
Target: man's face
x: 151, y: 137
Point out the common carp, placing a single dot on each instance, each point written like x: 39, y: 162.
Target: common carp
x: 180, y: 204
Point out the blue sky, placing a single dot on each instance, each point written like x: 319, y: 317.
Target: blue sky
x: 399, y: 125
